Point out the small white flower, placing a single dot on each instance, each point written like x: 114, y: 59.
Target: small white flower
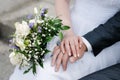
x: 49, y: 30
x: 46, y: 23
x: 43, y: 59
x: 26, y: 51
x: 35, y: 49
x: 43, y: 35
x: 35, y: 56
x: 29, y: 57
x: 42, y: 21
x: 43, y: 51
x: 33, y: 44
x: 30, y: 51
x: 36, y: 61
x: 29, y: 45
x: 35, y: 33
x: 39, y: 43
x: 41, y: 54
x: 37, y: 53
x: 46, y: 15
x: 53, y: 28
x: 35, y: 10
x: 46, y: 28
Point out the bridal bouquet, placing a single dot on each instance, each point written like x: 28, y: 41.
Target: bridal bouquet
x: 30, y: 39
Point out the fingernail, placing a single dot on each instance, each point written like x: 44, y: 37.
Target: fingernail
x: 56, y: 70
x: 69, y: 54
x: 75, y: 55
x: 78, y: 55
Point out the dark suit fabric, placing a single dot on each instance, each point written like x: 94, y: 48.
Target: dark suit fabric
x: 105, y: 34
x: 111, y: 73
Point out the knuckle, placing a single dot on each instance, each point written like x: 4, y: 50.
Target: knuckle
x: 58, y: 64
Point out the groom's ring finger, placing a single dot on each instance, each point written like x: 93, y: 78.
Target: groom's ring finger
x: 55, y: 55
x: 58, y: 62
x: 55, y: 48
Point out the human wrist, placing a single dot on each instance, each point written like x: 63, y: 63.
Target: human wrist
x: 85, y: 47
x: 68, y: 32
x: 88, y: 45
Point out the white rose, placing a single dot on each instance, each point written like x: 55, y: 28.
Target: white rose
x: 18, y: 58
x: 22, y: 29
x: 15, y: 59
x: 20, y: 43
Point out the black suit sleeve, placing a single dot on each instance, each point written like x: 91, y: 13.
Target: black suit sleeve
x: 105, y: 34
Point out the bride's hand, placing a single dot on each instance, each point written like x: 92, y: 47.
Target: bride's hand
x: 71, y: 44
x: 59, y: 59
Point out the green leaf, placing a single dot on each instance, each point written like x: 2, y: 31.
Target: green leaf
x: 40, y: 63
x: 49, y: 39
x: 60, y: 35
x: 58, y: 21
x: 65, y: 27
x: 27, y: 70
x: 34, y: 68
x: 47, y: 51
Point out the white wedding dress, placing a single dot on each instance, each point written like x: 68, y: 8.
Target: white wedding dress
x: 86, y: 15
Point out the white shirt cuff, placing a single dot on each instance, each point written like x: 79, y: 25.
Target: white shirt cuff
x: 88, y: 45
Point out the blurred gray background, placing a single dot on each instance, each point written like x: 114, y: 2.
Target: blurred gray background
x: 10, y: 12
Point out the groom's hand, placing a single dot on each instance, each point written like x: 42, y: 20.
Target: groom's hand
x: 59, y: 59
x: 81, y: 53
